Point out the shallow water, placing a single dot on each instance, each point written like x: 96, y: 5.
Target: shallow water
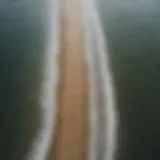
x: 23, y: 41
x: 132, y: 31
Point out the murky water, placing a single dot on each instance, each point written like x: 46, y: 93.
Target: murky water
x: 132, y: 29
x: 23, y: 41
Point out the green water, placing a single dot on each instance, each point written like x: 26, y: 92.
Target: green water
x: 23, y: 41
x: 132, y: 30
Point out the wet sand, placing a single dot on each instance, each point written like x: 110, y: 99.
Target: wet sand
x: 70, y: 138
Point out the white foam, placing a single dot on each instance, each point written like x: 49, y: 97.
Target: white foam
x: 93, y: 121
x: 48, y: 92
x: 91, y: 18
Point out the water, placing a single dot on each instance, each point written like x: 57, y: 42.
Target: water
x: 132, y: 31
x: 24, y: 27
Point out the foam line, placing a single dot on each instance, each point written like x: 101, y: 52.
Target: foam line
x: 92, y: 20
x: 49, y: 87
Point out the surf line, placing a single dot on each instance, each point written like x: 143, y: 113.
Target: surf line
x: 93, y: 30
x: 43, y: 141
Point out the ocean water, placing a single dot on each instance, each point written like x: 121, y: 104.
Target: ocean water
x: 24, y: 32
x: 132, y: 33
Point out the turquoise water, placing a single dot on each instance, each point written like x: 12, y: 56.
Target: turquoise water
x: 132, y: 30
x: 23, y: 41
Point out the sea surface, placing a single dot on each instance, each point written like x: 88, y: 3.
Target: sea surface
x: 132, y: 34
x: 24, y: 26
